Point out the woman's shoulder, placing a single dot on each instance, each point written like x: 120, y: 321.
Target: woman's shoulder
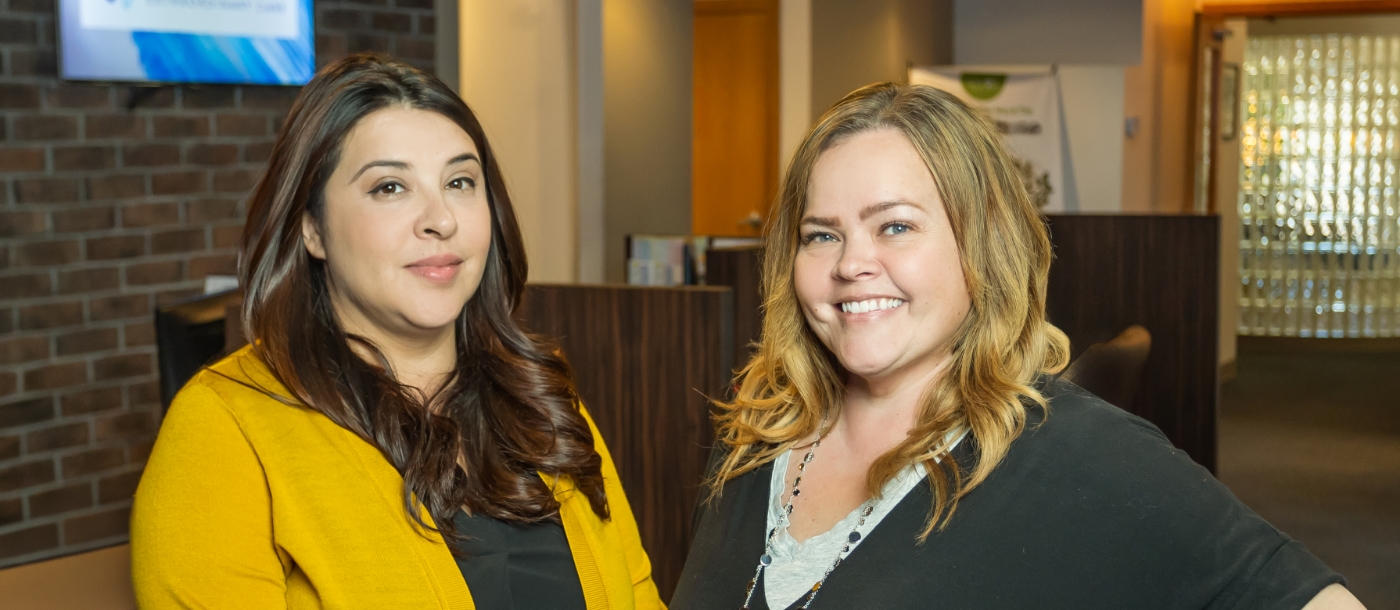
x: 1080, y: 444
x: 1083, y: 460
x: 1077, y: 423
x: 239, y: 386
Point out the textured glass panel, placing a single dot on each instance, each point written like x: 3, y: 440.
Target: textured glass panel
x: 1320, y: 147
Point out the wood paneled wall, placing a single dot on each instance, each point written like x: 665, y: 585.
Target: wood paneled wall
x: 739, y: 268
x: 1110, y: 272
x: 645, y: 361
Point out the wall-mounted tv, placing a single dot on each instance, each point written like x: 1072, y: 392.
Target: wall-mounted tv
x: 263, y: 42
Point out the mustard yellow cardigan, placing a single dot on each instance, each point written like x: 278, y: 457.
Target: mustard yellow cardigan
x: 247, y: 502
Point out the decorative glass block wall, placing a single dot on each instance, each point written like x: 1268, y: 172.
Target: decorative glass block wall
x: 1320, y: 140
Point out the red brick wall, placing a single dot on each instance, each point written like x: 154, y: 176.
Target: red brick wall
x: 106, y: 213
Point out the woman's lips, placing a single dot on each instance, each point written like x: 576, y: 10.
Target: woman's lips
x: 439, y: 269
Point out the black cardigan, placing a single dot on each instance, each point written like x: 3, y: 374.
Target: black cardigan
x: 1091, y: 508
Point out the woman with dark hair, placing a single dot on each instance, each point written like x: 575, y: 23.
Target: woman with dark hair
x: 900, y: 439
x: 391, y: 438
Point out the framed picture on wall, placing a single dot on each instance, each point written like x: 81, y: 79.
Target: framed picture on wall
x: 1229, y: 99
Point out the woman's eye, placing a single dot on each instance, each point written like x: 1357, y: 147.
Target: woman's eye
x: 895, y: 228
x: 818, y: 237
x: 462, y: 183
x: 388, y: 188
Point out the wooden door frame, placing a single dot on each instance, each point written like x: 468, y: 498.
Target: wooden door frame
x: 1211, y: 15
x: 1300, y: 9
x: 1205, y: 24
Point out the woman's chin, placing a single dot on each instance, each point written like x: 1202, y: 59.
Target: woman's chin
x: 867, y: 366
x: 431, y: 322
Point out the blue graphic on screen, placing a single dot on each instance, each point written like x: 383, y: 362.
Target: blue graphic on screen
x: 188, y: 41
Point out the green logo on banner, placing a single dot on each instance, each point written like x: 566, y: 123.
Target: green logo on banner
x: 983, y: 86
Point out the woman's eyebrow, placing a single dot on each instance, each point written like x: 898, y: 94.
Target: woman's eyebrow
x: 876, y: 208
x: 463, y: 158
x: 865, y: 214
x: 400, y: 165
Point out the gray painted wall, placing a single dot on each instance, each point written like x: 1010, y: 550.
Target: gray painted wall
x: 647, y: 69
x: 858, y: 42
x: 1048, y: 32
x: 592, y: 233
x: 445, y: 54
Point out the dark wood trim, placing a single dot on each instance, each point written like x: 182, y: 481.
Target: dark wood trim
x: 1301, y: 9
x: 740, y: 269
x: 720, y: 7
x: 1313, y: 345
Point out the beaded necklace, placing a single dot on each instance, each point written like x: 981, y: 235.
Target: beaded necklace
x: 851, y: 539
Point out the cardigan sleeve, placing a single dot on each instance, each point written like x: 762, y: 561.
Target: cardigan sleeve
x: 644, y: 592
x: 201, y: 525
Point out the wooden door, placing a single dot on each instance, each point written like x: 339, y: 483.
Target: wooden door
x: 734, y: 171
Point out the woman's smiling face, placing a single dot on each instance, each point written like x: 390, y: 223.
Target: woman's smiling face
x: 405, y: 229
x: 878, y: 272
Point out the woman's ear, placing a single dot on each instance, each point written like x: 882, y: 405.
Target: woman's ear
x: 311, y: 236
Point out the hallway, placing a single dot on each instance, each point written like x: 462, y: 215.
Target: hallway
x: 1310, y: 438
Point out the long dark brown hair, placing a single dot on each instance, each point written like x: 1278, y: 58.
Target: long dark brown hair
x: 508, y: 412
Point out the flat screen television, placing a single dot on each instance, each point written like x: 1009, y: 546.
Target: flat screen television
x: 263, y: 42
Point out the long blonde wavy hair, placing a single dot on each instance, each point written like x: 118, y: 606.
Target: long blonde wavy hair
x: 1002, y: 346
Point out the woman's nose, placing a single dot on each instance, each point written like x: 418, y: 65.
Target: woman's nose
x: 437, y: 219
x: 858, y: 260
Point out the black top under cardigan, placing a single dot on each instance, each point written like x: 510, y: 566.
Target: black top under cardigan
x: 1091, y: 508
x: 517, y: 566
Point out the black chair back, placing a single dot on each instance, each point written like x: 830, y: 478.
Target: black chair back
x: 189, y: 335
x: 1113, y: 370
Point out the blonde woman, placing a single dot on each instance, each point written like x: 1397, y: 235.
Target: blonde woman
x: 900, y: 441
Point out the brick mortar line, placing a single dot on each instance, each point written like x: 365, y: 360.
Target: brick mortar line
x: 122, y: 289
x: 92, y: 420
x: 62, y: 237
x: 59, y: 518
x: 91, y: 445
x: 53, y: 340
x: 72, y: 358
x: 30, y: 333
x: 97, y: 264
x: 93, y: 479
x: 80, y: 205
x: 121, y: 262
x: 116, y: 291
x: 155, y: 232
x: 63, y: 452
x: 60, y: 393
x: 126, y: 290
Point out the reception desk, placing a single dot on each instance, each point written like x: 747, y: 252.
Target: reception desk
x: 647, y: 361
